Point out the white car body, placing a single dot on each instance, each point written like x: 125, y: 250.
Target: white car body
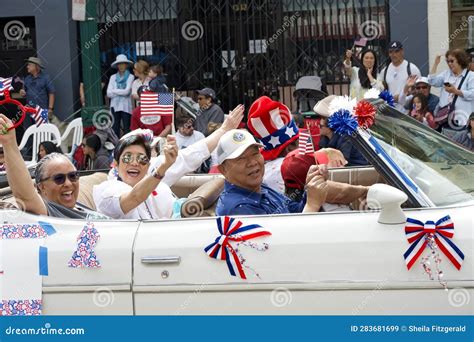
x: 330, y: 263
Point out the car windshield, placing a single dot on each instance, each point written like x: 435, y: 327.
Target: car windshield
x: 441, y: 168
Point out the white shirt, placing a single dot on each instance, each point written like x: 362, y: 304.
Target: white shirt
x: 397, y: 78
x: 464, y: 104
x: 107, y: 194
x: 273, y: 177
x: 184, y: 141
x: 137, y: 83
x: 120, y: 99
x: 157, y: 205
x: 356, y: 89
x: 188, y: 160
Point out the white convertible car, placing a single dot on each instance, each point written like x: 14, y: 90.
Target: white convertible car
x: 350, y: 262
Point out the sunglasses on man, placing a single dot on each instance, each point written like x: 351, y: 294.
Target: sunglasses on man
x: 421, y: 87
x: 60, y: 178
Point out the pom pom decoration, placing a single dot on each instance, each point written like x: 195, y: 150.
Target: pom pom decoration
x: 387, y: 97
x: 372, y: 93
x: 343, y: 122
x: 342, y: 102
x: 365, y: 114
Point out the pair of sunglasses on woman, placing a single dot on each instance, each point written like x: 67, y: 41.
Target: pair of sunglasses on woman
x: 60, y: 178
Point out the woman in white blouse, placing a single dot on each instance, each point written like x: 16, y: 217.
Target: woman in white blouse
x: 142, y: 188
x: 140, y: 70
x: 449, y: 81
x: 365, y: 77
x: 119, y: 91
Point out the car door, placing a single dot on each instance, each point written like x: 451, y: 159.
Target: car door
x: 85, y: 290
x: 323, y: 263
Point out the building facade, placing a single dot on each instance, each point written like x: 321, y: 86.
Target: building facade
x: 242, y: 49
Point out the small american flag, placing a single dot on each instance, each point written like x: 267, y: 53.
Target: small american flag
x: 305, y: 142
x: 156, y: 103
x: 40, y: 116
x: 5, y: 83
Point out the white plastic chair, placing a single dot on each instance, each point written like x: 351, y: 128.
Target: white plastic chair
x: 45, y: 132
x: 75, y: 126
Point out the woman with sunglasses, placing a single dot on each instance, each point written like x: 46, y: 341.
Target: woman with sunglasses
x: 452, y: 91
x: 142, y: 188
x: 56, y: 178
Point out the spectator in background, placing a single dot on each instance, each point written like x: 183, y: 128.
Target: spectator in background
x: 140, y: 70
x: 97, y: 156
x: 396, y: 74
x: 418, y: 85
x: 450, y: 80
x: 47, y: 147
x: 157, y: 79
x: 38, y: 87
x: 186, y: 135
x: 119, y: 91
x: 159, y: 124
x: 420, y: 111
x: 365, y: 77
x: 208, y: 112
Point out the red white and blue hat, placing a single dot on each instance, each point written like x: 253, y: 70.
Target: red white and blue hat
x: 272, y: 123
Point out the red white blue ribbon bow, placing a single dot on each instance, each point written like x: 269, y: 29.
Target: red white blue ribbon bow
x: 232, y: 230
x: 443, y: 230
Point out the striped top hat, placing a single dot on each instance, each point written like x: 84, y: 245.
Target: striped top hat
x: 272, y: 123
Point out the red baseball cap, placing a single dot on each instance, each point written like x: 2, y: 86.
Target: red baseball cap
x: 295, y: 167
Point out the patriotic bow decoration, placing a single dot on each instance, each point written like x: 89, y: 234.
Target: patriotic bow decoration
x: 85, y: 256
x: 233, y: 230
x: 418, y: 234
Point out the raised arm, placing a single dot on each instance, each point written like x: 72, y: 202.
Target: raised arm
x: 17, y: 173
x: 347, y: 63
x: 147, y: 185
x: 231, y: 122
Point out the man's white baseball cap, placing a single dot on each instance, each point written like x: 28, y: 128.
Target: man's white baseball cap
x: 233, y: 143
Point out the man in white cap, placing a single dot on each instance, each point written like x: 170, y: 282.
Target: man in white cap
x: 419, y: 85
x: 242, y: 165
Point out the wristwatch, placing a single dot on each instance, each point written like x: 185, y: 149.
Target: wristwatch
x: 157, y: 175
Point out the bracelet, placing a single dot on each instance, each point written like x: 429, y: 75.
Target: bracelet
x: 157, y: 175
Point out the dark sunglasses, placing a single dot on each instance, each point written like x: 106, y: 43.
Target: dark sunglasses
x: 141, y: 159
x: 60, y: 178
x: 421, y: 87
x: 450, y: 61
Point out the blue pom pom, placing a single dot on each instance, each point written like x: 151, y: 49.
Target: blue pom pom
x: 343, y: 122
x: 387, y: 97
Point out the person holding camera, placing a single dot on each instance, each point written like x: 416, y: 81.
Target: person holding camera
x: 456, y: 100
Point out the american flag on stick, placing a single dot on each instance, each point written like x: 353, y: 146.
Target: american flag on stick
x: 305, y: 142
x: 156, y: 103
x: 5, y: 83
x: 40, y: 116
